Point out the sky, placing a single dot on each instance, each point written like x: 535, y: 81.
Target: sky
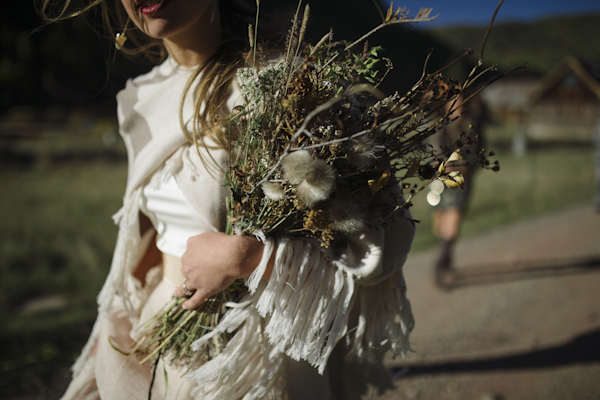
x: 479, y: 12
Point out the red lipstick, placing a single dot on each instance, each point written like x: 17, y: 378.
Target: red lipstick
x: 150, y: 10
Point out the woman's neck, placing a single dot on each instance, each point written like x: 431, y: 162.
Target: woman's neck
x: 193, y: 48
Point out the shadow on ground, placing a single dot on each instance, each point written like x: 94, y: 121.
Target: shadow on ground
x: 496, y: 273
x: 583, y: 349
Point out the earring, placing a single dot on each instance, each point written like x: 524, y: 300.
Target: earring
x: 212, y: 16
x: 121, y: 38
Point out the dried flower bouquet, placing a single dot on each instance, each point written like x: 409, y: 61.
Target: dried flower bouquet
x: 316, y: 143
x: 318, y: 152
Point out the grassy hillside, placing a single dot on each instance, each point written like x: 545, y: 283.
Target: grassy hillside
x: 542, y: 44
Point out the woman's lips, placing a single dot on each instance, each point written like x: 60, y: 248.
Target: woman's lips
x: 153, y: 8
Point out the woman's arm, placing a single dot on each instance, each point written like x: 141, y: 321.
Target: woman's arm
x: 214, y: 260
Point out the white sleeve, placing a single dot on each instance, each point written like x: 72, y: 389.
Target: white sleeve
x: 306, y: 302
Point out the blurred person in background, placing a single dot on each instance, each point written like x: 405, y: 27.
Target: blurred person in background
x: 171, y: 236
x: 450, y: 204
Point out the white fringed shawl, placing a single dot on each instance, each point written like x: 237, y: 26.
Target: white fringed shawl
x: 302, y: 311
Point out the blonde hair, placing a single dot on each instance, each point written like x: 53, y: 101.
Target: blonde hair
x: 211, y: 81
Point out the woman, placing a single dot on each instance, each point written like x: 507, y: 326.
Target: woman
x: 308, y: 308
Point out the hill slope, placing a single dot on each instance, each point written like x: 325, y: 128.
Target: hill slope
x: 541, y: 44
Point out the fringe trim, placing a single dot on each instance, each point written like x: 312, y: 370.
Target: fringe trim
x: 120, y: 285
x: 170, y: 167
x: 307, y: 300
x: 255, y: 278
x: 248, y: 368
x: 120, y: 281
x: 385, y: 319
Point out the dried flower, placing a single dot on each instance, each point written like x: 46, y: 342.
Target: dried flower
x: 310, y: 194
x: 273, y: 191
x: 364, y: 152
x: 454, y: 179
x: 315, y: 178
x: 455, y: 156
x: 377, y: 185
x: 251, y: 35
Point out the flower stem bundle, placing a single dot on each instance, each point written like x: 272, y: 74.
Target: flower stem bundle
x: 171, y: 332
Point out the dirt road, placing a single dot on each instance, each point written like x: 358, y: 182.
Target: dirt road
x: 521, y: 322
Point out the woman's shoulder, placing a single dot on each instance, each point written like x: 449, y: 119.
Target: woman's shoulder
x: 159, y: 75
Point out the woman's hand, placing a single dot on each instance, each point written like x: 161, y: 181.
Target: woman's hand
x: 213, y: 261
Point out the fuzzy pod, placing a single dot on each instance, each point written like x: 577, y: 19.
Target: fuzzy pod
x: 310, y: 195
x: 273, y: 191
x: 315, y: 178
x: 364, y: 152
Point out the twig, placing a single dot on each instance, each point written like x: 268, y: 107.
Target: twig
x: 487, y: 33
x: 255, y: 33
x: 377, y: 28
x: 522, y: 67
x: 320, y: 43
x: 378, y: 7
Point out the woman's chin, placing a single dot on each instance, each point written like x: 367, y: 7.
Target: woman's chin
x: 159, y: 29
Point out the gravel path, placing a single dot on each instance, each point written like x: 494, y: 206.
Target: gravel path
x: 521, y: 322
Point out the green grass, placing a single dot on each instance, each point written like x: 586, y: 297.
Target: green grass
x: 57, y: 238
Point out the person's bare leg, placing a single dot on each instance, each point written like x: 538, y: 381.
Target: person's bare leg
x: 445, y: 225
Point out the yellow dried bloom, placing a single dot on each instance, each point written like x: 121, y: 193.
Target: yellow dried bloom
x: 455, y: 179
x: 377, y: 185
x: 455, y: 156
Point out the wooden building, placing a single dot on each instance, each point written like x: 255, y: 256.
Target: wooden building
x: 565, y: 104
x: 507, y: 99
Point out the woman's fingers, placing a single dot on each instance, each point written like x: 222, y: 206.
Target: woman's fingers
x: 180, y: 292
x: 196, y: 300
x: 195, y: 297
